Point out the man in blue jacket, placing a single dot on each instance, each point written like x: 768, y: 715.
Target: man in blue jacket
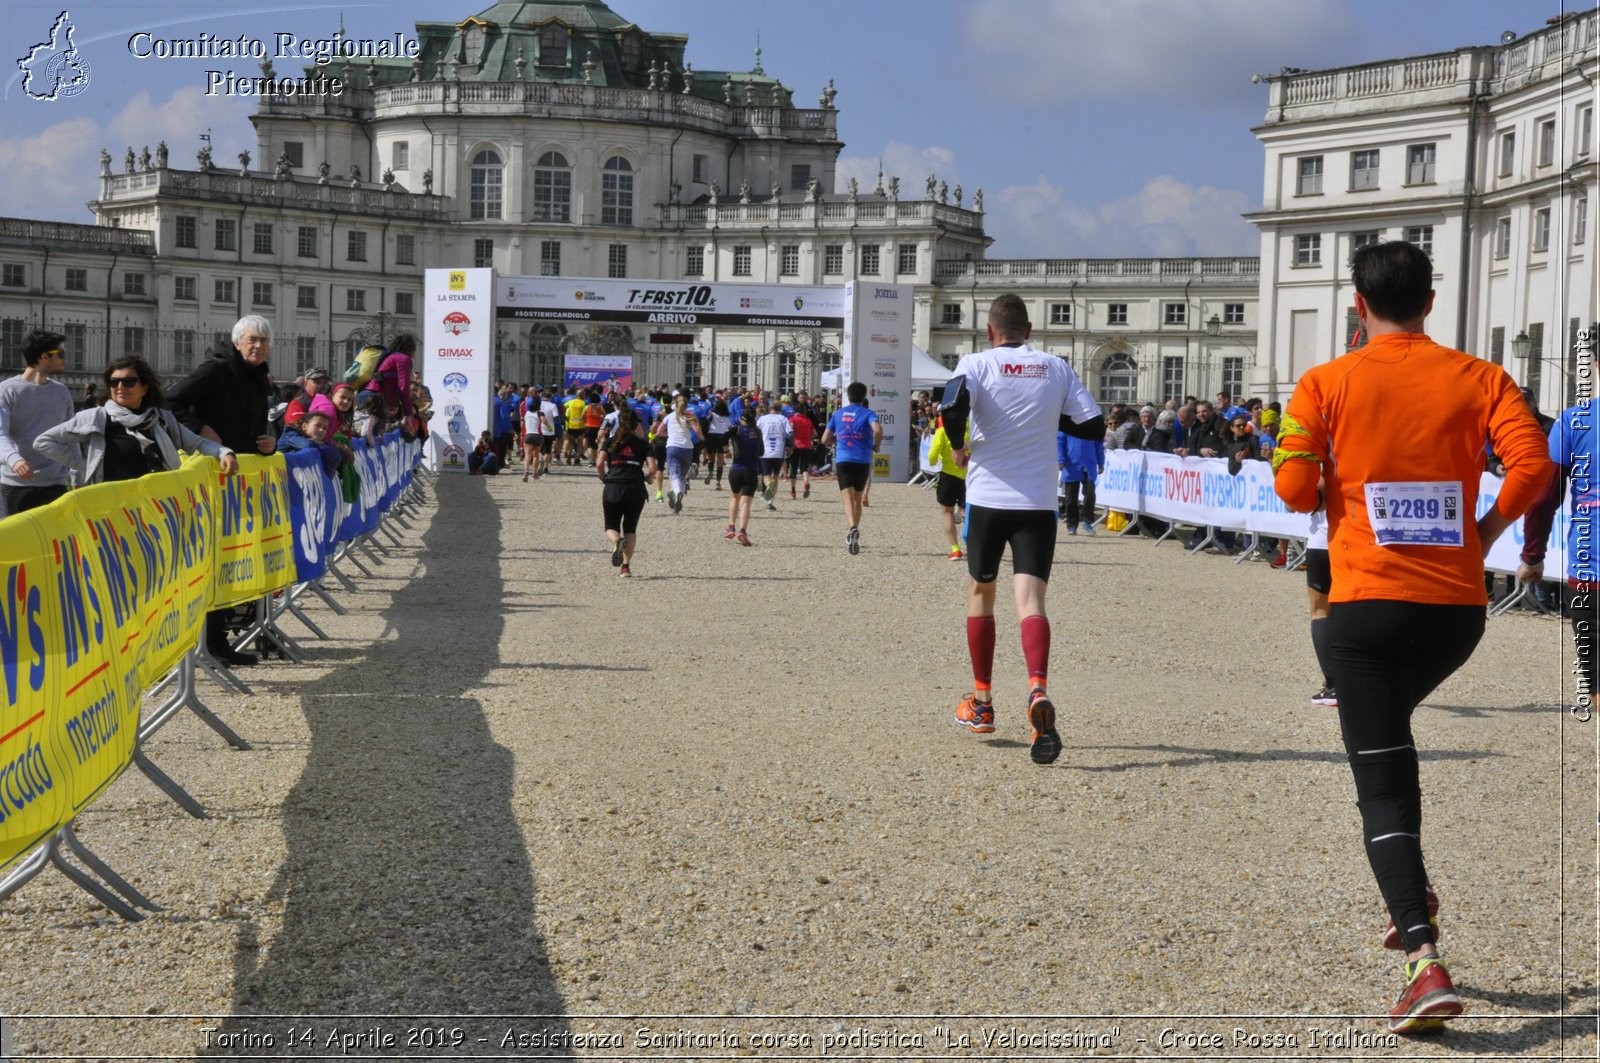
x: 1080, y: 461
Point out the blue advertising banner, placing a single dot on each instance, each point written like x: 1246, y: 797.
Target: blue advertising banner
x: 313, y: 513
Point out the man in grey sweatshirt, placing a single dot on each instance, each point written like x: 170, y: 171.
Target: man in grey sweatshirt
x: 29, y: 404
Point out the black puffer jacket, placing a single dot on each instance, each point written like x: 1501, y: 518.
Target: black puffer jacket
x: 226, y: 394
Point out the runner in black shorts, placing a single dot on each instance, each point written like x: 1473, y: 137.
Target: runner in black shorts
x: 1001, y: 412
x: 623, y: 467
x: 1319, y: 581
x: 742, y: 476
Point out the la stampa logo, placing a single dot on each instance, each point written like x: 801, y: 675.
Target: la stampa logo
x: 455, y: 322
x: 54, y: 69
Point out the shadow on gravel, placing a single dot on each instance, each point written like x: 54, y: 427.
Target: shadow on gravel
x: 1191, y: 756
x: 408, y: 889
x: 1483, y: 712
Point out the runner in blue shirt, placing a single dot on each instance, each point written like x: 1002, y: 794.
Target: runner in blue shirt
x: 856, y: 431
x: 1575, y: 446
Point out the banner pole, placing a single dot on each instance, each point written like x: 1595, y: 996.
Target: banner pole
x: 85, y: 882
x: 166, y: 785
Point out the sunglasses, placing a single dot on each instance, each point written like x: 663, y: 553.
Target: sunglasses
x: 125, y: 382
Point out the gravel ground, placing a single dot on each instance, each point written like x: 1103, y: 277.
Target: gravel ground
x: 725, y: 801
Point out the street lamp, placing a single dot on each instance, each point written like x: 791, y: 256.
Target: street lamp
x: 1522, y: 346
x: 1214, y: 330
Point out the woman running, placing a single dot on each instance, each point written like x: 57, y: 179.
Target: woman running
x: 623, y: 466
x: 680, y: 428
x: 747, y: 445
x: 720, y: 423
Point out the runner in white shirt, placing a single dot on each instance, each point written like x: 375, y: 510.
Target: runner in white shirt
x: 1002, y: 410
x: 777, y: 439
x: 551, y: 417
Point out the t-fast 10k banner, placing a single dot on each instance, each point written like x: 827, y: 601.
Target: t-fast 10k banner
x: 1200, y: 491
x: 792, y: 306
x: 458, y: 360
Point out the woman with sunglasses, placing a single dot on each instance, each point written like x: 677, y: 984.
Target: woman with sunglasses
x: 1239, y: 445
x: 129, y: 435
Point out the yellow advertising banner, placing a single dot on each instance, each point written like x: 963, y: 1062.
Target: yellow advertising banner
x: 33, y: 796
x: 256, y: 549
x: 106, y: 590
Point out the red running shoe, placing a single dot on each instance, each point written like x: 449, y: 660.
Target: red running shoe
x: 1427, y: 1001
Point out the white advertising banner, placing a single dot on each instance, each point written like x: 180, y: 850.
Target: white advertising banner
x: 877, y: 352
x: 458, y: 361
x: 784, y: 306
x: 1201, y: 492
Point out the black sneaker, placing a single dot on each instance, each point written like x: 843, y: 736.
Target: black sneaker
x: 852, y: 541
x: 1326, y: 696
x: 616, y: 551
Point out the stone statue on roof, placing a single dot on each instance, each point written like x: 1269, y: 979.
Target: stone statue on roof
x: 716, y: 192
x: 933, y: 186
x: 894, y: 189
x: 161, y: 155
x: 744, y: 190
x: 144, y: 158
x: 944, y: 192
x: 977, y: 200
x: 105, y: 163
x: 281, y: 170
x: 958, y: 195
x: 244, y: 164
x: 127, y: 161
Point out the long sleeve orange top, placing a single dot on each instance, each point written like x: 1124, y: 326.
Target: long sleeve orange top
x: 1404, y: 409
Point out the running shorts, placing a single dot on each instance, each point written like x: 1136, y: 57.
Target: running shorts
x: 716, y: 442
x: 622, y: 504
x: 534, y: 441
x: 952, y: 490
x: 742, y: 481
x: 591, y: 436
x: 1031, y: 534
x: 800, y: 460
x: 852, y: 475
x: 1319, y: 573
x: 771, y: 466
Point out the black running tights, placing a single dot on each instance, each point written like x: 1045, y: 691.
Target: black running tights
x: 1387, y: 656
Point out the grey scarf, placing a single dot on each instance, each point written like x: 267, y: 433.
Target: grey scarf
x: 146, y: 427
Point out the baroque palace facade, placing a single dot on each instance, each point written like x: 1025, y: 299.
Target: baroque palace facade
x: 1485, y: 156
x: 557, y: 138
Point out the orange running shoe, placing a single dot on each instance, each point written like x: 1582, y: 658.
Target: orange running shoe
x: 976, y: 716
x: 1046, y: 743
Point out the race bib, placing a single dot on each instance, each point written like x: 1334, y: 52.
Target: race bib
x: 1425, y: 513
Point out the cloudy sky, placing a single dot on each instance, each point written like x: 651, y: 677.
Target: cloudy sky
x: 1095, y: 127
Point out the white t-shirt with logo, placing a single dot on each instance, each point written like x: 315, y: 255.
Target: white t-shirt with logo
x: 775, y: 432
x: 1018, y: 396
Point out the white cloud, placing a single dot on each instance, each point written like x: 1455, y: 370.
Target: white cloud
x: 55, y: 172
x: 1166, y: 217
x: 911, y: 164
x: 1052, y: 52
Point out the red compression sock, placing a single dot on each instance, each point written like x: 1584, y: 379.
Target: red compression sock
x: 980, y: 644
x: 1036, y: 648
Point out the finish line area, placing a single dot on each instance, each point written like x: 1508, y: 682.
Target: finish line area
x: 515, y: 795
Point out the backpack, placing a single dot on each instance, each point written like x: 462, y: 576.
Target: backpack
x: 364, y: 367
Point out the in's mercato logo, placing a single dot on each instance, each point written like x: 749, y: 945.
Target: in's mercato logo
x: 458, y: 280
x: 54, y: 69
x: 455, y: 322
